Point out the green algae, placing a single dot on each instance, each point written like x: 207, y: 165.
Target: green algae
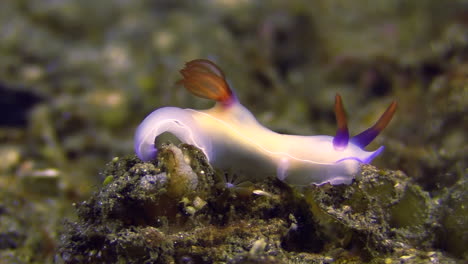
x: 108, y: 180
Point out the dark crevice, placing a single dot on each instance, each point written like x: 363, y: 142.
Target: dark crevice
x: 16, y: 105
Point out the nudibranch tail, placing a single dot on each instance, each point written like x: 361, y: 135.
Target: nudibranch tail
x: 366, y: 137
x: 204, y: 79
x: 341, y: 139
x: 174, y: 120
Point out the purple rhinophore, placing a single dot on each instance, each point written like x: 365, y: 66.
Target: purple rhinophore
x: 341, y: 139
x: 365, y: 137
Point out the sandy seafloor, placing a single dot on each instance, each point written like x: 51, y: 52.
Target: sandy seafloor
x: 77, y: 77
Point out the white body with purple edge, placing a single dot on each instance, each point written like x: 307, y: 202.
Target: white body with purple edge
x: 231, y: 137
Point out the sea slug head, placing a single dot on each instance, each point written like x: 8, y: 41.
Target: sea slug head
x: 326, y: 159
x: 346, y: 148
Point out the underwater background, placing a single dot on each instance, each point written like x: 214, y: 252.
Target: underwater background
x: 77, y: 77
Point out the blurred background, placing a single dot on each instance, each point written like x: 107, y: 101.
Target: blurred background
x: 77, y: 77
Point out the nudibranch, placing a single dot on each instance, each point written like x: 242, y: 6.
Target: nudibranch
x: 231, y: 137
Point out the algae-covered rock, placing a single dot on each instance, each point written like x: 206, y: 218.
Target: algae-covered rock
x: 139, y: 216
x: 453, y: 236
x: 382, y: 211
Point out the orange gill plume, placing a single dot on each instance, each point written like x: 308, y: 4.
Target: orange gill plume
x: 205, y: 79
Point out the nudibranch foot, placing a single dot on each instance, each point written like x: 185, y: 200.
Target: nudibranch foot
x: 231, y: 137
x: 282, y: 170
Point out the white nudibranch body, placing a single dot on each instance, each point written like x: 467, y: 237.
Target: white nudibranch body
x: 232, y: 138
